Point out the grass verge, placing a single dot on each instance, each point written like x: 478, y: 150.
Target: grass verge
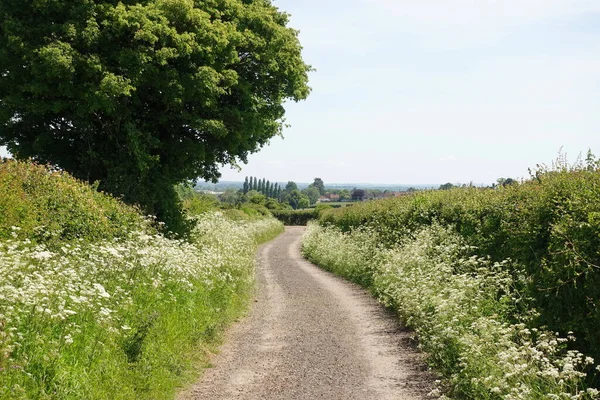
x: 109, y: 313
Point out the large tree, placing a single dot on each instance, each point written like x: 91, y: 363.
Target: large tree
x: 140, y: 95
x: 291, y: 185
x: 318, y: 183
x: 312, y: 192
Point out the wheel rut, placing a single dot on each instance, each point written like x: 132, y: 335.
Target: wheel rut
x: 311, y: 335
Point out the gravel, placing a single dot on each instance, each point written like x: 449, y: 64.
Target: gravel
x: 311, y: 335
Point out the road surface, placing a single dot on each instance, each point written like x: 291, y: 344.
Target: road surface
x: 311, y: 335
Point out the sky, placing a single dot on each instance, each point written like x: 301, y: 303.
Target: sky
x: 434, y: 91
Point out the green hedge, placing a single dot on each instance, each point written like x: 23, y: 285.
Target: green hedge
x: 549, y: 226
x: 295, y: 217
x: 96, y: 304
x: 47, y: 206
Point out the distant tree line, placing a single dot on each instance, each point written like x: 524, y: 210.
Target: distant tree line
x: 273, y: 195
x: 263, y: 186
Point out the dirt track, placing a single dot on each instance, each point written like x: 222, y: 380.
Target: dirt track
x: 311, y: 335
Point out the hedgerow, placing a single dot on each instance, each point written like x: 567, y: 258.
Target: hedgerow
x: 50, y: 205
x: 295, y: 217
x: 542, y: 234
x: 548, y: 226
x: 96, y: 310
x: 461, y: 308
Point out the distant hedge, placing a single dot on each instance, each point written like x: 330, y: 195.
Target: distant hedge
x: 295, y: 217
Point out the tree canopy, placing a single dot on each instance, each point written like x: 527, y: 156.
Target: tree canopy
x: 318, y: 183
x: 446, y: 186
x: 140, y: 95
x: 312, y: 193
x: 291, y: 185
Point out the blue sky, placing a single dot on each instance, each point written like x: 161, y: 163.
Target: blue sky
x: 430, y: 91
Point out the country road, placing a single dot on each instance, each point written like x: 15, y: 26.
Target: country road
x: 311, y: 335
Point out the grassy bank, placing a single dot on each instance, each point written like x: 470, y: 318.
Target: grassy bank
x: 491, y: 280
x: 95, y: 304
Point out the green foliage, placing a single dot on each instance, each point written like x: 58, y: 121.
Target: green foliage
x: 549, y: 227
x: 200, y: 203
x: 142, y: 95
x: 256, y: 197
x: 506, y: 181
x: 303, y: 202
x: 273, y: 204
x: 232, y: 197
x: 325, y: 206
x: 296, y: 199
x: 185, y: 191
x: 49, y: 206
x: 95, y: 304
x: 246, y: 187
x: 446, y: 186
x: 255, y: 211
x: 319, y: 185
x: 291, y: 186
x: 313, y: 194
x: 295, y: 217
x: 461, y: 308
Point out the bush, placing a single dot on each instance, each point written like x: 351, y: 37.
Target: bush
x: 96, y: 304
x: 255, y: 210
x: 295, y: 217
x: 462, y: 310
x: 200, y: 203
x: 120, y: 318
x: 45, y: 205
x: 549, y: 227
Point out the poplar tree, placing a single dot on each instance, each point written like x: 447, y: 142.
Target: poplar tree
x: 246, y: 186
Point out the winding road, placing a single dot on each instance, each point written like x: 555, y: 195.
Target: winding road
x: 311, y: 335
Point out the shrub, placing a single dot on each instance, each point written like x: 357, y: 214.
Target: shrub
x: 45, y: 205
x: 295, y: 217
x: 199, y: 203
x: 96, y: 304
x: 549, y: 227
x: 462, y: 310
x: 255, y: 210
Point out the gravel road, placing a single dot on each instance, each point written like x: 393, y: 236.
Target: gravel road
x: 311, y: 335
